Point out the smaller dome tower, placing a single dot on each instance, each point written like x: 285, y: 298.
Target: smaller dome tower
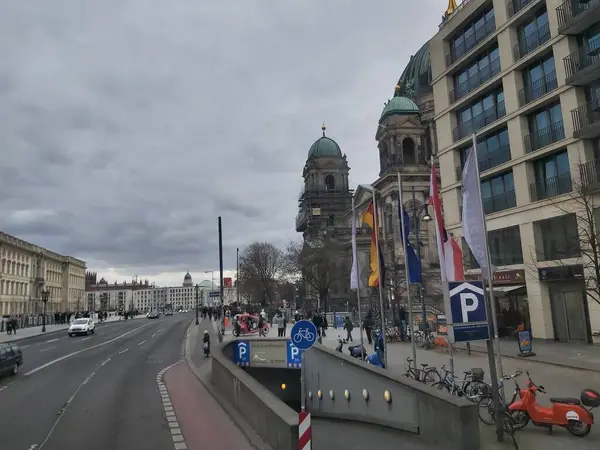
x: 187, y: 280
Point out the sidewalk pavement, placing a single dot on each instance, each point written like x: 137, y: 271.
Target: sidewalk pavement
x: 29, y: 332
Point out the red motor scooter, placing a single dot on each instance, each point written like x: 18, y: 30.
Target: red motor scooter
x: 570, y: 413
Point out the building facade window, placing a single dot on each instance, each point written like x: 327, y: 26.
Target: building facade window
x: 479, y: 71
x: 492, y: 150
x: 478, y: 114
x: 552, y: 176
x: 538, y: 80
x: 472, y: 34
x: 498, y: 193
x: 557, y: 238
x: 545, y: 127
x: 505, y: 248
x: 532, y: 35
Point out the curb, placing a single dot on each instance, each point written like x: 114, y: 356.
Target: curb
x: 202, y: 375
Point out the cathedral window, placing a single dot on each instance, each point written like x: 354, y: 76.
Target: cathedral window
x: 408, y: 151
x: 329, y: 182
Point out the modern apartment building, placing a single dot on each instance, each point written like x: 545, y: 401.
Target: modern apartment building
x: 27, y: 269
x: 524, y: 77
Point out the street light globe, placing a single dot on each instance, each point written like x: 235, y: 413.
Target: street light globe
x: 427, y: 217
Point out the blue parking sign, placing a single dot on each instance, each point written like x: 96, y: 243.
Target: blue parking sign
x: 294, y: 356
x: 241, y: 353
x: 468, y: 311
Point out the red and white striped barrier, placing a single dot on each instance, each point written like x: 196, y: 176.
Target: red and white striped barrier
x: 304, y: 432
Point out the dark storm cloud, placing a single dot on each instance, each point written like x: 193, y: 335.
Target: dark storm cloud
x: 127, y: 127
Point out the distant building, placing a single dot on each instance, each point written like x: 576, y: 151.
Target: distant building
x: 27, y: 269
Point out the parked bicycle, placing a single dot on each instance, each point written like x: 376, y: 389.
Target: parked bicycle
x: 424, y: 339
x: 472, y: 386
x: 426, y: 374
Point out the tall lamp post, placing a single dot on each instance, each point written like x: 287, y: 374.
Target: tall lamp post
x: 197, y: 289
x: 416, y: 211
x: 45, y: 296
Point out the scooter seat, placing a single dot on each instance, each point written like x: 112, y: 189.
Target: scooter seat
x: 566, y: 401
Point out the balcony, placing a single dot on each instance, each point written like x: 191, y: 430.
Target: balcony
x: 551, y: 187
x: 514, y: 6
x: 582, y: 66
x: 489, y: 161
x: 574, y: 16
x: 544, y: 137
x: 488, y: 116
x: 528, y: 44
x: 590, y: 175
x: 499, y: 202
x: 469, y: 43
x: 586, y: 120
x: 538, y: 89
x: 475, y: 81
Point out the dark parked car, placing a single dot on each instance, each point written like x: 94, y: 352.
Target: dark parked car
x: 153, y: 315
x: 11, y: 358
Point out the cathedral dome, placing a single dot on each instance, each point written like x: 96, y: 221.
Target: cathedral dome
x: 416, y: 77
x: 399, y: 105
x: 187, y: 280
x: 324, y: 147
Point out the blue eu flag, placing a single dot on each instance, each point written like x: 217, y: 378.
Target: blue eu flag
x: 414, y: 265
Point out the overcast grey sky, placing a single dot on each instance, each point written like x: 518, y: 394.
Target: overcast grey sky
x: 128, y: 126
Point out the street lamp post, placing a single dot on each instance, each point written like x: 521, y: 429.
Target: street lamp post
x: 197, y: 288
x: 45, y: 296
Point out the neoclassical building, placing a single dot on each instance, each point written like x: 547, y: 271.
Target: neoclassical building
x: 27, y: 269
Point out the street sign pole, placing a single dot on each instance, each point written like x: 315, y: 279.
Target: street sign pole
x: 303, y: 335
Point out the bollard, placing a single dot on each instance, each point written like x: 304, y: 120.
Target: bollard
x: 304, y: 431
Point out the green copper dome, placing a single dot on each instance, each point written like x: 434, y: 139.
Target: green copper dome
x: 324, y: 147
x: 415, y: 80
x: 399, y: 105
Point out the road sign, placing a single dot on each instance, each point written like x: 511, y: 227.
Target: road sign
x: 304, y: 334
x: 294, y: 356
x: 241, y: 353
x: 467, y: 307
x: 214, y: 294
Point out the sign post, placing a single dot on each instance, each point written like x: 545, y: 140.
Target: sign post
x: 468, y: 310
x: 303, y: 336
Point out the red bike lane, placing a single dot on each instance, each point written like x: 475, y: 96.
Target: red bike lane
x: 204, y: 424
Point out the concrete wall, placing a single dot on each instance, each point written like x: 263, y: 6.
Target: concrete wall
x: 438, y: 418
x: 274, y: 421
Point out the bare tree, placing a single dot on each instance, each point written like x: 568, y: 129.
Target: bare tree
x: 320, y: 267
x: 262, y: 267
x: 580, y: 204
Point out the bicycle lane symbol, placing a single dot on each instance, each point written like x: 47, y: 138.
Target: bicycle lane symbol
x: 304, y: 334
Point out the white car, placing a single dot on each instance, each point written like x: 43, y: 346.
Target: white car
x: 82, y: 326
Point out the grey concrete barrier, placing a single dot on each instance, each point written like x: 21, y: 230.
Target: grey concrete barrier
x: 274, y: 421
x: 341, y: 387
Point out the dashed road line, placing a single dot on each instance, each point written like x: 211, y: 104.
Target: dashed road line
x: 154, y: 335
x: 47, y: 349
x: 140, y: 343
x: 176, y: 433
x: 123, y: 351
x: 52, y: 340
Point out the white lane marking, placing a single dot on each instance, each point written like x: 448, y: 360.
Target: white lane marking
x: 83, y: 339
x: 52, y: 340
x: 140, y: 343
x: 123, y: 351
x: 154, y: 335
x: 64, y: 409
x: 24, y: 346
x: 47, y: 349
x: 176, y: 433
x: 62, y: 358
x: 105, y: 361
x: 159, y: 330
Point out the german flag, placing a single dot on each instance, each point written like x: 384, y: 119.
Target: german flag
x: 369, y: 217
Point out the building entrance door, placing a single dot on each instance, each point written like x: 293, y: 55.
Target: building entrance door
x: 569, y: 317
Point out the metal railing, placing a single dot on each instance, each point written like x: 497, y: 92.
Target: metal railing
x: 589, y: 172
x: 582, y: 57
x: 544, y: 137
x: 551, y: 187
x: 475, y: 81
x: 499, y: 202
x: 479, y: 121
x: 538, y: 88
x: 514, y: 6
x: 489, y: 161
x: 570, y: 9
x: 529, y: 43
x: 586, y: 115
x: 469, y: 43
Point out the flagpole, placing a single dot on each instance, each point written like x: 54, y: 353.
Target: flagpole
x: 379, y: 268
x: 406, y: 272
x: 356, y: 267
x: 489, y: 273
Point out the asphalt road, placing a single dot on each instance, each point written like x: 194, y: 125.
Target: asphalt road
x: 98, y: 392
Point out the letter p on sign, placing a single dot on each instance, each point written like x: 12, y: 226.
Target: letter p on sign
x: 468, y: 303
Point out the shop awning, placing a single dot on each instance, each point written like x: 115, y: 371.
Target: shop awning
x: 505, y: 289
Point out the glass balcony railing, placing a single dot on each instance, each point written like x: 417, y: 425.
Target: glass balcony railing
x: 475, y: 81
x: 529, y: 43
x: 544, y: 137
x: 582, y: 58
x: 470, y: 42
x: 488, y: 161
x: 479, y: 121
x: 499, y: 202
x: 514, y: 6
x: 538, y: 88
x: 551, y: 187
